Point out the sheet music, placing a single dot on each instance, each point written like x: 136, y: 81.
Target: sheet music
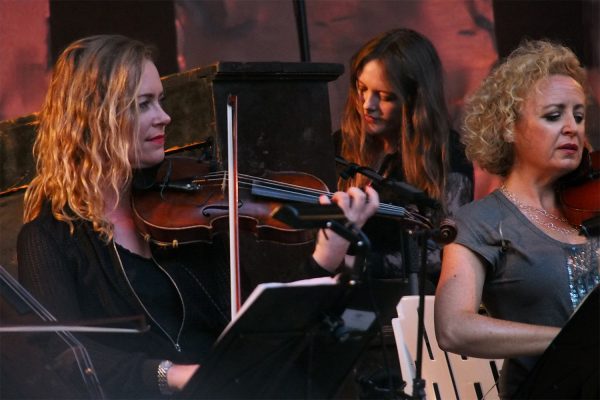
x: 260, y: 288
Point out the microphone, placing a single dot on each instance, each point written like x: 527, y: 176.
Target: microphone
x: 309, y: 216
x: 446, y: 233
x: 317, y: 216
x: 408, y: 193
x: 351, y: 169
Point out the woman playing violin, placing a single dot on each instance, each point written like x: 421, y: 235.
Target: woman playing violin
x: 515, y: 252
x: 396, y: 123
x: 79, y: 252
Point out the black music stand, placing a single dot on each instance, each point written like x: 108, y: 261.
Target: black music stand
x: 288, y: 341
x: 569, y: 368
x: 25, y: 371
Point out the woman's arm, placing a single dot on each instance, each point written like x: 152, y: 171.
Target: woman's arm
x: 179, y: 375
x: 461, y: 329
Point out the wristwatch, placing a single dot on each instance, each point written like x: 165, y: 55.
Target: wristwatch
x: 161, y: 375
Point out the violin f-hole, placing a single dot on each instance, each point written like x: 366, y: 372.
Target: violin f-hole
x: 220, y: 207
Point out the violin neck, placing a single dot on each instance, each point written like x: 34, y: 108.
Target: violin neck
x: 389, y: 210
x: 308, y: 196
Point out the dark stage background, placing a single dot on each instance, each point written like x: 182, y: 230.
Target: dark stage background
x: 469, y: 35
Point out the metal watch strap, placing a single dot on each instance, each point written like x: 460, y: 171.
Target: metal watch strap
x: 161, y: 375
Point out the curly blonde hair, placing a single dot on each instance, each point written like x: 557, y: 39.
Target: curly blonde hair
x: 86, y: 132
x: 491, y: 112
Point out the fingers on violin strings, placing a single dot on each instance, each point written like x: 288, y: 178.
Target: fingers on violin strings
x: 358, y: 198
x: 372, y: 198
x: 324, y: 200
x: 341, y: 199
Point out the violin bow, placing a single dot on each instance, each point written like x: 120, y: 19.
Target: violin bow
x: 232, y: 171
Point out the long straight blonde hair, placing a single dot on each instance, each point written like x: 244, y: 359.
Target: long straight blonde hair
x: 88, y: 122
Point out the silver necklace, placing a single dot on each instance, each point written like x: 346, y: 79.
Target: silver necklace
x: 175, y: 341
x: 537, y: 215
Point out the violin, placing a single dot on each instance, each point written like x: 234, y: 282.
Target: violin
x: 579, y: 194
x: 187, y: 203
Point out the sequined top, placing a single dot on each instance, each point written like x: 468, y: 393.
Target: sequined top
x: 583, y: 266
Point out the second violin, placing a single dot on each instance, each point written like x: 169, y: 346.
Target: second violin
x: 580, y: 195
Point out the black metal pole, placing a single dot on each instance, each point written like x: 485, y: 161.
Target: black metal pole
x: 300, y: 13
x: 418, y: 381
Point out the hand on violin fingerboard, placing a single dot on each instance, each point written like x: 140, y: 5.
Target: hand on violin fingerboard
x: 358, y: 206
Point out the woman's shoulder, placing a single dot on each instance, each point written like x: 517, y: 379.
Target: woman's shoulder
x: 478, y: 223
x: 486, y: 208
x: 45, y: 224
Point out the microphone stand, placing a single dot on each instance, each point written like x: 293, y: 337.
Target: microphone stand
x: 420, y: 199
x: 409, y: 195
x: 418, y: 381
x: 442, y: 235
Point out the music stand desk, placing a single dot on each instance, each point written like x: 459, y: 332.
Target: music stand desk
x: 287, y: 341
x: 569, y: 368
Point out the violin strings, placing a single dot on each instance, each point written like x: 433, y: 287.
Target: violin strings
x: 251, y: 180
x: 297, y: 190
x: 271, y: 184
